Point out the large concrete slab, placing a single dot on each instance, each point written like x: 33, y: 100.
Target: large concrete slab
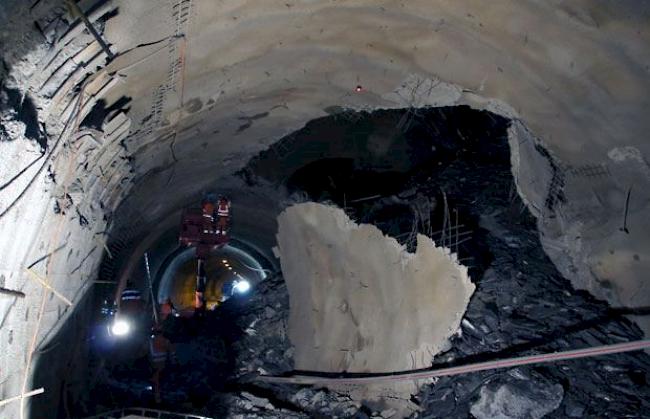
x: 359, y: 302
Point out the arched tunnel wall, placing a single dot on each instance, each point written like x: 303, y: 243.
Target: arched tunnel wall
x: 204, y: 86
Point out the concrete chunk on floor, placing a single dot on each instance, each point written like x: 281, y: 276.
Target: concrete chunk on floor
x: 359, y: 302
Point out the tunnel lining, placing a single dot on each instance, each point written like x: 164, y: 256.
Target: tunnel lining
x: 168, y: 271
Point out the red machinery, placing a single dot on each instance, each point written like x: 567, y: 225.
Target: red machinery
x: 206, y: 228
x: 200, y: 231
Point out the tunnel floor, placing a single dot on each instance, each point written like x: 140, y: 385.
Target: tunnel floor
x: 204, y: 361
x: 441, y: 172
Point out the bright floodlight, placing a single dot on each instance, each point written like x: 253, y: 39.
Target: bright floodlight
x: 242, y: 286
x: 120, y: 327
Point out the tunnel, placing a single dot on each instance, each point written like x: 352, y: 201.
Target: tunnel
x: 436, y: 209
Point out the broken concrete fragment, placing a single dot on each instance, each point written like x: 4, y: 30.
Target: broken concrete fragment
x: 366, y: 304
x: 257, y: 401
x: 359, y: 302
x: 526, y: 399
x: 388, y: 413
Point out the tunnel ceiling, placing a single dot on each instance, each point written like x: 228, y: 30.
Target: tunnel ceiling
x: 196, y: 88
x: 210, y: 84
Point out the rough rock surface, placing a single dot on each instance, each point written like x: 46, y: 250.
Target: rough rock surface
x: 246, y: 405
x: 518, y: 400
x: 523, y: 305
x: 264, y: 348
x: 596, y: 239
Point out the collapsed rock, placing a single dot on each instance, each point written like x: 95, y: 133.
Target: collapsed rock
x: 264, y: 348
x: 517, y: 400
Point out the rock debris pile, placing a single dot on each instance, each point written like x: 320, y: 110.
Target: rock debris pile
x: 522, y: 304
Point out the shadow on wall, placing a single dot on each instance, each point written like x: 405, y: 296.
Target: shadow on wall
x: 101, y: 113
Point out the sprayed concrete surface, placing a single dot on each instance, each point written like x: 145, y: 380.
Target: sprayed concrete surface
x: 359, y: 302
x: 592, y: 217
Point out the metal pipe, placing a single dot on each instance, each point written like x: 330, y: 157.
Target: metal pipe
x: 22, y: 396
x: 76, y: 12
x: 153, y: 299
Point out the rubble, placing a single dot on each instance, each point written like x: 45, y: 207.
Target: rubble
x: 524, y: 399
x: 269, y: 351
x: 246, y: 405
x: 265, y: 346
x: 360, y: 302
x: 522, y: 304
x: 352, y: 289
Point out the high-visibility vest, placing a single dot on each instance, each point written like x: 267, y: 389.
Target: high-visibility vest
x: 223, y: 210
x: 131, y: 303
x: 158, y: 348
x: 208, y: 210
x: 129, y: 294
x: 166, y: 308
x: 199, y: 300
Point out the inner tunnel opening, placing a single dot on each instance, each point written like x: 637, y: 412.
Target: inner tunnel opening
x: 224, y: 267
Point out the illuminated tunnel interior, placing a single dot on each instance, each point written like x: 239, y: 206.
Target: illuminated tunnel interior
x: 430, y: 209
x: 224, y: 267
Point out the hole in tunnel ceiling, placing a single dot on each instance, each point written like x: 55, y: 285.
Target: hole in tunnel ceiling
x: 324, y: 179
x: 401, y: 140
x: 386, y: 167
x: 406, y: 171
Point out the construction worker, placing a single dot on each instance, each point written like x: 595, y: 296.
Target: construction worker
x: 223, y: 214
x: 208, y: 216
x: 166, y: 309
x: 130, y: 312
x: 131, y: 302
x: 160, y: 351
x: 201, y: 281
